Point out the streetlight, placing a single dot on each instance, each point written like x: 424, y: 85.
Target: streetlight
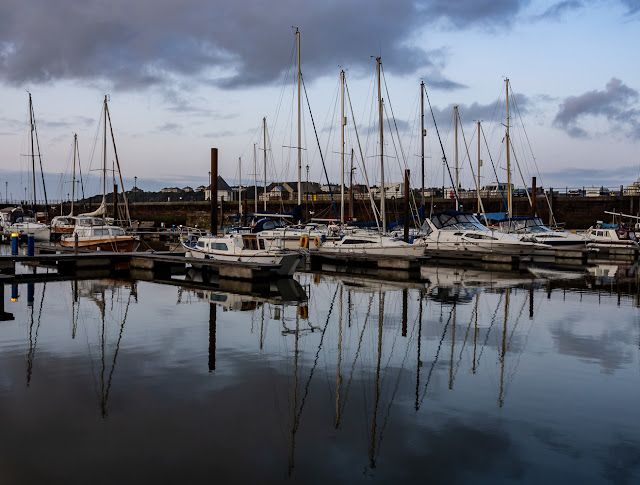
x: 135, y: 187
x: 209, y: 186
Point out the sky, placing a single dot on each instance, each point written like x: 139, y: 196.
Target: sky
x: 185, y: 76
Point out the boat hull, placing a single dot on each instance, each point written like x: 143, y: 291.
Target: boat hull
x: 117, y: 244
x: 288, y: 262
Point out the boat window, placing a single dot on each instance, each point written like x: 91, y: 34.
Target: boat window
x: 219, y: 246
x: 200, y: 244
x: 254, y: 244
x: 356, y: 241
x: 261, y: 243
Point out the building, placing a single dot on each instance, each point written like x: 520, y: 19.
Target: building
x: 170, y: 190
x: 289, y: 191
x: 224, y: 191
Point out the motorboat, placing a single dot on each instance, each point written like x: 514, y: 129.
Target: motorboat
x: 367, y: 244
x: 94, y: 233
x: 278, y: 236
x: 604, y: 235
x: 247, y: 248
x: 62, y: 226
x: 462, y: 233
x: 532, y: 229
x: 14, y: 220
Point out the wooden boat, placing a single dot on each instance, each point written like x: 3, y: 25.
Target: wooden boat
x: 95, y: 234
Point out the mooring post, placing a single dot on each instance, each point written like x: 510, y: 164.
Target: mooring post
x: 115, y: 204
x: 75, y: 243
x: 31, y: 245
x: 214, y: 191
x: 212, y: 337
x: 406, y: 205
x: 14, y: 243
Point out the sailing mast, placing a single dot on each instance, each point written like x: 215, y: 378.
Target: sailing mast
x: 479, y: 165
x: 33, y: 157
x: 423, y: 134
x: 104, y: 159
x: 382, y: 196
x: 509, y: 200
x: 240, y: 185
x: 73, y: 180
x: 255, y: 179
x: 343, y: 122
x: 455, y: 115
x: 299, y: 125
x: 264, y: 134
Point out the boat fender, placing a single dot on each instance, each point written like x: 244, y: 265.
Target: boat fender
x: 318, y: 241
x: 304, y: 241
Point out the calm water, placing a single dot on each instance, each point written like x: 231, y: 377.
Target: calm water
x: 471, y: 377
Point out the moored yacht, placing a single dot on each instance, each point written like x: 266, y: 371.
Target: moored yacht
x: 247, y: 248
x: 95, y: 234
x: 461, y: 232
x: 604, y: 235
x: 532, y: 229
x: 367, y: 243
x: 15, y: 221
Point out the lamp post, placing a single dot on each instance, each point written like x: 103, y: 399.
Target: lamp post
x: 135, y: 188
x: 209, y: 186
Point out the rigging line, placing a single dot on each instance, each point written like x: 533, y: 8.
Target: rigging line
x: 374, y: 208
x: 464, y: 343
x: 315, y: 362
x: 35, y: 129
x: 524, y: 182
x: 32, y: 348
x: 333, y: 203
x: 444, y: 157
x: 493, y: 320
x: 475, y: 181
x: 435, y: 360
x: 395, y: 390
x: 494, y: 167
x: 404, y: 158
x: 353, y: 366
x: 115, y: 355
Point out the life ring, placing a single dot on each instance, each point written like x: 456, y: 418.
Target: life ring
x: 304, y: 241
x: 317, y: 241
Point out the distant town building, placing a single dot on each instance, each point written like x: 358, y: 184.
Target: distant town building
x: 224, y: 191
x: 168, y: 190
x: 187, y: 189
x: 200, y: 188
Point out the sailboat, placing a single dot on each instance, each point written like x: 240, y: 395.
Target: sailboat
x: 92, y: 230
x: 62, y: 225
x: 366, y: 243
x: 15, y: 220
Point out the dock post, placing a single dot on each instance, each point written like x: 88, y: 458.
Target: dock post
x: 14, y: 244
x: 214, y: 191
x: 533, y: 197
x: 212, y: 337
x: 75, y: 243
x: 31, y: 244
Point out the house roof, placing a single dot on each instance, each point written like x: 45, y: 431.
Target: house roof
x: 222, y: 184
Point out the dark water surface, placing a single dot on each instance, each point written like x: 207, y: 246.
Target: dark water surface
x: 471, y: 377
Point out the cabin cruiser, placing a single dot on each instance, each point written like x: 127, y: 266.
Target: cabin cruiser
x: 278, y: 236
x: 604, y: 235
x: 367, y: 243
x: 532, y: 229
x: 62, y: 225
x: 247, y: 248
x: 14, y: 220
x: 462, y: 233
x: 95, y: 234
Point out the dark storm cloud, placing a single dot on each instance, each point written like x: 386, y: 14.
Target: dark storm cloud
x: 633, y: 6
x: 476, y: 111
x: 617, y: 103
x: 242, y: 43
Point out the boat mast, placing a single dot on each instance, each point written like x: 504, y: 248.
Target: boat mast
x: 343, y: 122
x: 423, y: 133
x: 240, y: 185
x: 509, y: 195
x: 104, y: 157
x: 73, y: 180
x: 264, y: 134
x: 255, y: 179
x: 382, y: 196
x: 33, y: 156
x: 479, y: 165
x: 455, y: 189
x: 299, y: 125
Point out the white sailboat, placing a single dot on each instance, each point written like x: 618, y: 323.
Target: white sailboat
x: 92, y: 230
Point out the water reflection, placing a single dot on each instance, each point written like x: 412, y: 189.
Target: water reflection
x: 338, y: 377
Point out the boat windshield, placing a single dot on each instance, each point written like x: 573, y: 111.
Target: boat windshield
x: 528, y: 225
x: 456, y: 221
